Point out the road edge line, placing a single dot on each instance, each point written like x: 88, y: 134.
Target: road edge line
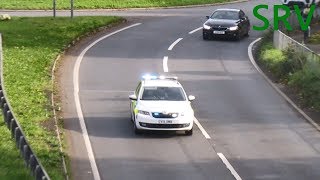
x: 76, y: 70
x: 310, y: 120
x: 229, y: 166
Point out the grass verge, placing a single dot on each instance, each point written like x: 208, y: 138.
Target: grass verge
x: 315, y: 38
x: 12, y: 165
x: 30, y: 46
x: 103, y: 4
x: 296, y: 70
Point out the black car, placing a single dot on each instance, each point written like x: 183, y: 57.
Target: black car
x: 231, y: 23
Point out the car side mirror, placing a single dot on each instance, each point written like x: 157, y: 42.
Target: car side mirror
x: 191, y: 98
x: 133, y: 97
x: 207, y: 17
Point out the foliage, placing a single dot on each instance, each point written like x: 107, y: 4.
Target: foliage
x: 11, y: 166
x: 307, y: 81
x: 274, y: 60
x: 298, y: 70
x: 100, y: 4
x: 30, y: 47
x: 315, y: 38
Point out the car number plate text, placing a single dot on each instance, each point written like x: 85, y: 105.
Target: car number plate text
x: 218, y: 32
x: 165, y: 121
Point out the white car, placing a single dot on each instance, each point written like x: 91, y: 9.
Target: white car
x: 160, y: 103
x: 299, y: 2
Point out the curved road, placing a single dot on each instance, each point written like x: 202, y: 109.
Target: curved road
x: 249, y: 131
x: 246, y: 120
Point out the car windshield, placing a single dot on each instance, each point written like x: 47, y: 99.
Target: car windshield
x: 163, y: 94
x: 225, y: 15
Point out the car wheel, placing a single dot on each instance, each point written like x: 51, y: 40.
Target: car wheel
x: 136, y: 130
x: 247, y: 33
x: 189, y: 132
x: 237, y: 37
x: 205, y: 37
x: 131, y: 116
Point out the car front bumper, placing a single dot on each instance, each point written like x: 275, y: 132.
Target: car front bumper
x: 168, y: 124
x: 227, y: 33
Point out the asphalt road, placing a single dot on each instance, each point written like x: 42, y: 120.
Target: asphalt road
x: 260, y: 135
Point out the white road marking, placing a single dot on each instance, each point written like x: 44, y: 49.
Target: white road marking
x: 166, y: 69
x: 204, y: 132
x: 193, y: 31
x: 229, y: 166
x: 85, y: 135
x: 165, y: 64
x: 174, y: 43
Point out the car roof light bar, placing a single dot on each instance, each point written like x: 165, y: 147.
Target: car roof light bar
x: 152, y: 77
x: 149, y: 77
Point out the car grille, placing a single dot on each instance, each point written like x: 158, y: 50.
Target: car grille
x: 219, y: 28
x: 162, y: 115
x: 149, y: 125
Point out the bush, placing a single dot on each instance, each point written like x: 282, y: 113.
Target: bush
x: 294, y: 69
x: 294, y: 60
x: 315, y: 38
x: 307, y: 82
x: 274, y: 60
x: 281, y: 63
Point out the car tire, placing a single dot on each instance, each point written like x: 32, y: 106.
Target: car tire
x: 205, y: 36
x: 189, y: 132
x: 136, y: 130
x: 247, y: 34
x: 237, y: 37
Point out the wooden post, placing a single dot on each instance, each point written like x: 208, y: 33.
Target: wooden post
x: 54, y: 8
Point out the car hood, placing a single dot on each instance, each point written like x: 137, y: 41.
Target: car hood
x: 167, y: 106
x: 221, y: 22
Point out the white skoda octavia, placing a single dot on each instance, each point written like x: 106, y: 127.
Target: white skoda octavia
x: 160, y: 103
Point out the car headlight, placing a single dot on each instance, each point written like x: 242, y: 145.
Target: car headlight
x: 233, y: 28
x: 206, y: 26
x: 186, y: 113
x: 174, y: 115
x: 143, y: 112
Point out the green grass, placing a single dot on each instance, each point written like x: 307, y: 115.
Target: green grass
x: 30, y: 47
x: 315, y: 38
x: 103, y: 4
x: 295, y: 69
x: 11, y: 166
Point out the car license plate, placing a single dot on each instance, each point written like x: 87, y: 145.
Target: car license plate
x: 218, y: 32
x: 165, y: 121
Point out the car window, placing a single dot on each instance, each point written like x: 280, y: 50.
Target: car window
x: 241, y: 14
x: 233, y: 15
x: 138, y: 89
x: 163, y: 93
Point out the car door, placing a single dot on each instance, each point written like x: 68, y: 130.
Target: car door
x: 134, y: 102
x: 244, y: 21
